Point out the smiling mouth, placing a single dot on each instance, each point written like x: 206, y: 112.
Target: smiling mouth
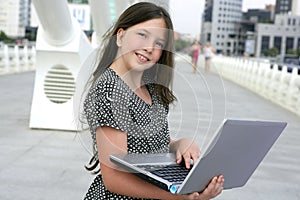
x: 142, y: 58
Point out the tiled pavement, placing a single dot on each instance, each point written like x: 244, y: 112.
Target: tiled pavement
x: 48, y: 164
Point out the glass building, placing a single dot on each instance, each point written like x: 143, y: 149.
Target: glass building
x: 283, y: 6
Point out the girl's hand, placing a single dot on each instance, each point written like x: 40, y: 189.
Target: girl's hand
x: 185, y: 150
x: 214, y: 188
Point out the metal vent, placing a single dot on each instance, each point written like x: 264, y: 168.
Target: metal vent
x: 59, y: 85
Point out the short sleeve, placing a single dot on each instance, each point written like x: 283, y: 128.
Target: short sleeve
x: 98, y: 107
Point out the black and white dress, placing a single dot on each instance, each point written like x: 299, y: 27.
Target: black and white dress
x: 110, y: 102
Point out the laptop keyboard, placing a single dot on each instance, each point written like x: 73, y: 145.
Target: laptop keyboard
x: 172, y: 173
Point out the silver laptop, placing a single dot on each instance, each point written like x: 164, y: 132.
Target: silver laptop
x: 235, y: 151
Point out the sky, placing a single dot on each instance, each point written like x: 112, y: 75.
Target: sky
x: 186, y: 14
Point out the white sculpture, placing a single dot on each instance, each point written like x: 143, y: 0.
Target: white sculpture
x: 61, y: 48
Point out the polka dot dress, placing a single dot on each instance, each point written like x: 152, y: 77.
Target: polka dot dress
x: 110, y: 102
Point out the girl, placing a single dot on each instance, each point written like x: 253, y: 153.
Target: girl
x: 127, y: 105
x: 208, y: 53
x: 195, y: 49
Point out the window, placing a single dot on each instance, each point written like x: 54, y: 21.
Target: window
x: 265, y: 40
x: 208, y: 36
x: 277, y: 43
x: 289, y: 44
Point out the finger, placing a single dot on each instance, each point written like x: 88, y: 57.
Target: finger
x: 220, y: 182
x: 213, y: 183
x: 178, y: 157
x: 217, y: 181
x: 218, y: 186
x: 195, y: 156
x: 222, y: 179
x: 187, y: 160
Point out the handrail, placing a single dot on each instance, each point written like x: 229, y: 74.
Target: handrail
x: 17, y: 58
x: 276, y: 82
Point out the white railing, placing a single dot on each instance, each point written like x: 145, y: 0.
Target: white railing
x: 16, y: 58
x: 278, y: 83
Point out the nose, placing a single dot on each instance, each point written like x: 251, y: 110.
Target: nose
x: 149, y: 46
x: 148, y: 49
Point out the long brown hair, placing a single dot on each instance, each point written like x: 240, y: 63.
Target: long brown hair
x: 162, y: 72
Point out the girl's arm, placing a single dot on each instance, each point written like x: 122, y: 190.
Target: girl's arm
x: 112, y: 141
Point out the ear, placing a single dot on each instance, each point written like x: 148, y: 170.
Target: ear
x: 120, y: 35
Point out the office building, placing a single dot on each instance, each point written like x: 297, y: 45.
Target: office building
x: 250, y: 19
x: 14, y: 17
x: 221, y: 26
x: 287, y: 6
x: 283, y: 6
x: 296, y: 7
x: 258, y: 15
x: 282, y: 35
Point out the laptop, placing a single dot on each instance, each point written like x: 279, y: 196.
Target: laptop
x: 235, y: 151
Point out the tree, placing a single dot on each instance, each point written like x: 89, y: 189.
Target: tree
x: 292, y: 52
x: 272, y: 52
x: 181, y: 44
x: 5, y: 38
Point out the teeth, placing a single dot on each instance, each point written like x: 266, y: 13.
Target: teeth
x: 142, y: 58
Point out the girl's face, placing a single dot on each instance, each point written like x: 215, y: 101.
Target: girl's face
x: 141, y: 45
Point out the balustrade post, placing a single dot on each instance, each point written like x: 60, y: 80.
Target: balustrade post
x: 16, y: 59
x: 25, y: 58
x: 6, y: 58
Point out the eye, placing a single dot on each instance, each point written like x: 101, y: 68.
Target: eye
x: 142, y: 34
x: 160, y: 45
